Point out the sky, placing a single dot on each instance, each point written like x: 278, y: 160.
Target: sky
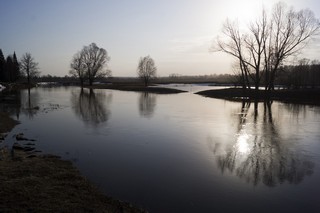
x: 177, y: 34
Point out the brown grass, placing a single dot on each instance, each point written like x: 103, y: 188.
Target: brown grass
x: 30, y: 183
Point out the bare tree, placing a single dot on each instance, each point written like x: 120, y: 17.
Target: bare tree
x: 290, y: 32
x: 268, y: 42
x: 78, y: 68
x: 29, y: 67
x: 146, y: 69
x: 95, y: 59
x: 89, y: 64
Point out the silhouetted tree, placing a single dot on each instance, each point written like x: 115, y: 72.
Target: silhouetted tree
x: 146, y: 69
x: 16, y: 69
x: 90, y: 62
x: 9, y: 69
x: 2, y: 66
x: 94, y: 58
x: 29, y: 67
x: 78, y: 67
x: 268, y: 42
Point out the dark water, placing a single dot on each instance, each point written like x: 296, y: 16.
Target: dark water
x: 180, y: 153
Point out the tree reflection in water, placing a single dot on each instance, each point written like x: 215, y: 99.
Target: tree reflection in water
x: 14, y: 102
x: 10, y: 102
x: 91, y: 107
x: 147, y: 104
x: 258, y: 153
x: 30, y: 103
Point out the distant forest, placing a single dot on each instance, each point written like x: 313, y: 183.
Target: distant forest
x: 305, y: 74
x: 9, y: 68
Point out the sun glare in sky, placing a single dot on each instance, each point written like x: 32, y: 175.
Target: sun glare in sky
x: 177, y: 34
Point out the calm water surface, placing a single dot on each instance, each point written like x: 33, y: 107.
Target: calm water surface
x: 181, y: 152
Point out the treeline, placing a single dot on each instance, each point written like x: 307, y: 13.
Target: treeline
x: 303, y: 75
x: 215, y: 78
x: 9, y: 68
x: 300, y: 76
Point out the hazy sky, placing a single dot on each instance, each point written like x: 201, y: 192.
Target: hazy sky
x: 177, y: 34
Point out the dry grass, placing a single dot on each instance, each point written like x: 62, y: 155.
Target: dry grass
x: 30, y: 183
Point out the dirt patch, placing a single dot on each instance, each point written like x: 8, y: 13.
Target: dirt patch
x: 32, y: 183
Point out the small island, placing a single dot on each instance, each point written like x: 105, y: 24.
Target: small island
x: 301, y: 96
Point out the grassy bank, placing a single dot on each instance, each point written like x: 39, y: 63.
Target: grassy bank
x: 31, y: 183
x: 136, y: 87
x: 304, y: 96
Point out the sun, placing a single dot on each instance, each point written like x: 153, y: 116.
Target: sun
x: 247, y: 10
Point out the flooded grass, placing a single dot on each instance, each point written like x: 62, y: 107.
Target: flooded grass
x: 46, y: 183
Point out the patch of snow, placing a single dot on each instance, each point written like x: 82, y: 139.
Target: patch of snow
x: 1, y: 87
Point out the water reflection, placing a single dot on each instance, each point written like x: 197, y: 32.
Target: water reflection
x: 91, y: 107
x: 258, y: 152
x: 147, y: 104
x: 30, y: 102
x: 10, y: 102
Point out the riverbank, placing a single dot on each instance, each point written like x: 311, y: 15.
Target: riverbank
x: 303, y: 96
x: 136, y: 88
x: 45, y: 183
x: 31, y: 182
x: 17, y: 86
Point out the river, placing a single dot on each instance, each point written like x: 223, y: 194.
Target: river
x: 179, y: 152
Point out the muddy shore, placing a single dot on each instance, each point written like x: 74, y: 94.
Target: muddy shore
x: 31, y: 182
x: 45, y: 183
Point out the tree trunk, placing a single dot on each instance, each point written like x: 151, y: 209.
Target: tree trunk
x: 28, y: 78
x: 81, y: 82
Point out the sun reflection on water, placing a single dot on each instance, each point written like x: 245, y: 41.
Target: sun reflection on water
x: 242, y: 144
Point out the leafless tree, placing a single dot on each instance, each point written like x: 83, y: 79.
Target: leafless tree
x: 29, y: 67
x: 89, y: 63
x: 146, y: 69
x: 95, y: 58
x: 78, y: 68
x: 268, y: 42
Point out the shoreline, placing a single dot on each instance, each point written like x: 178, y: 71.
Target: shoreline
x: 33, y: 182
x: 40, y: 183
x: 136, y: 88
x: 303, y: 96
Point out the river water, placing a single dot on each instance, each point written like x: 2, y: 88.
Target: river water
x: 179, y: 152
